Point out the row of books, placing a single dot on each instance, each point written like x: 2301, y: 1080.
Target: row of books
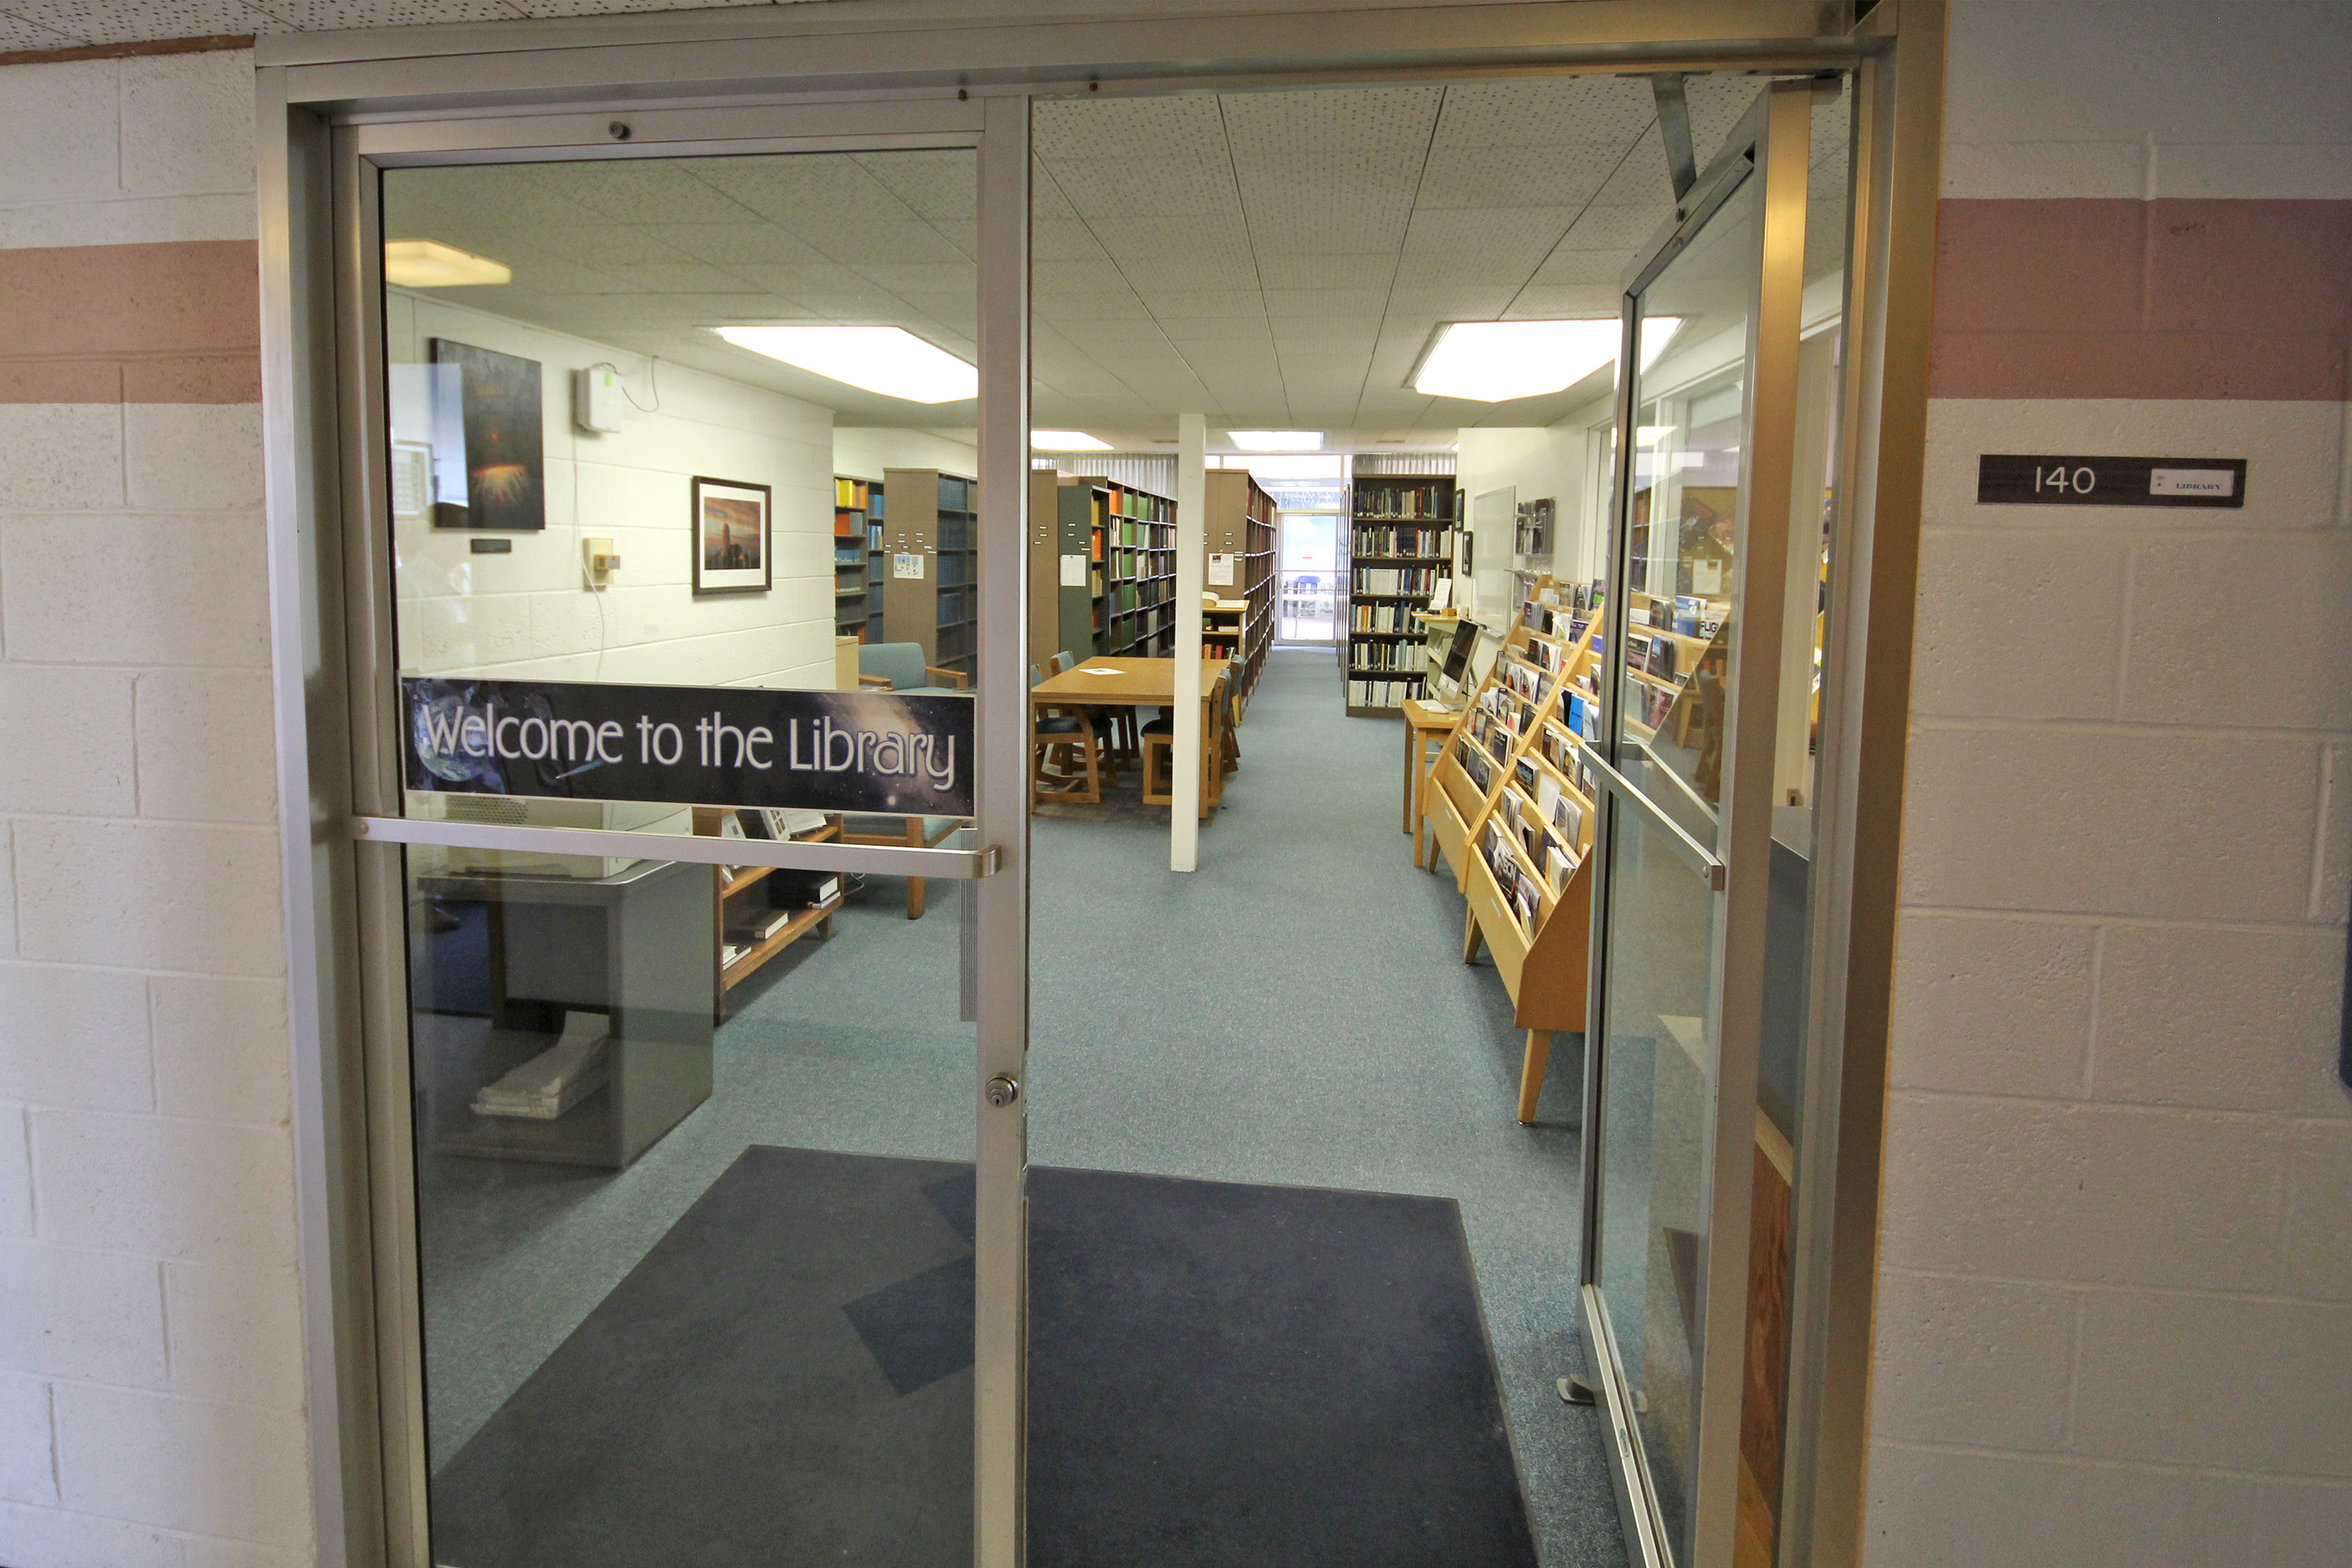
x: 1519, y: 892
x: 1381, y: 693
x: 1395, y: 579
x: 1400, y: 656
x: 1404, y: 541
x: 1655, y: 656
x: 1405, y: 502
x: 1380, y: 617
x: 1125, y: 502
x: 1141, y: 533
x: 1127, y: 596
x: 1691, y: 614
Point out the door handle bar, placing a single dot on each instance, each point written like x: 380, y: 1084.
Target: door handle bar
x: 1702, y: 859
x: 786, y: 854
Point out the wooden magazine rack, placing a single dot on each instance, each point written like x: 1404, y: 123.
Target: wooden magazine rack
x: 1513, y: 755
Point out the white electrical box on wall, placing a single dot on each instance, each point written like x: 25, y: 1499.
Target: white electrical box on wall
x: 596, y: 398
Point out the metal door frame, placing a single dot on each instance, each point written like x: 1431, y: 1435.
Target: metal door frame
x: 1772, y: 146
x: 814, y: 78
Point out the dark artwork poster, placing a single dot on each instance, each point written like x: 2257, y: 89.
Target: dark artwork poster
x: 895, y: 754
x: 500, y: 414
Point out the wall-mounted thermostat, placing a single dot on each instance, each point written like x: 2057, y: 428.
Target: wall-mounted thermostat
x: 596, y: 398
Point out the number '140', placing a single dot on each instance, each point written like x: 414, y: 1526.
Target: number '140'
x: 2059, y: 478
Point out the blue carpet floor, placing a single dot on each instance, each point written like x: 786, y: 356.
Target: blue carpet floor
x: 1296, y: 1011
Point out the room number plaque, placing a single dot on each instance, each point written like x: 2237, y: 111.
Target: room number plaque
x: 2009, y: 480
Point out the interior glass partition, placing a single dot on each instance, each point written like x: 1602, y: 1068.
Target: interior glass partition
x: 692, y: 1138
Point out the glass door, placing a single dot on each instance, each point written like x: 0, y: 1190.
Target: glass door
x: 1308, y: 589
x: 1685, y: 1214
x: 697, y: 1166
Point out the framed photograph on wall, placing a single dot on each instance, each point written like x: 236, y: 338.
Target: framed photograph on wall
x: 733, y: 552
x: 496, y: 424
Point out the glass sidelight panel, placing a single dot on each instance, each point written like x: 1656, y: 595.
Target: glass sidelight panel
x: 1658, y: 1116
x: 693, y: 1143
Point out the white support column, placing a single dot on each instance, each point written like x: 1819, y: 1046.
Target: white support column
x: 1191, y: 541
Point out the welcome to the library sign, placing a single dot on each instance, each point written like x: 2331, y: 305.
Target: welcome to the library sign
x: 902, y: 753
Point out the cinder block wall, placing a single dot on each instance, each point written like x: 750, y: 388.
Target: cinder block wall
x: 2116, y: 1318
x: 151, y: 1393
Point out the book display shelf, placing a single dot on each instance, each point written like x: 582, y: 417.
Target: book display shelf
x: 1672, y: 666
x: 856, y: 524
x: 1401, y: 546
x: 1239, y: 571
x: 929, y: 562
x: 1511, y: 805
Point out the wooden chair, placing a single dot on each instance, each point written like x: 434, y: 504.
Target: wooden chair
x: 1062, y: 740
x: 1158, y: 742
x: 915, y: 832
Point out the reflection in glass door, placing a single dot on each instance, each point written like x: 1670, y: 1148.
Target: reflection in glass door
x: 1308, y: 589
x: 1703, y: 887
x: 692, y: 1138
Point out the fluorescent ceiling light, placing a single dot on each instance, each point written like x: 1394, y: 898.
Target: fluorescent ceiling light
x: 891, y: 361
x: 429, y: 264
x: 1277, y: 440
x: 1496, y: 361
x: 1066, y: 441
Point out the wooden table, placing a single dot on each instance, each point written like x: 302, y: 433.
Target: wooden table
x: 1425, y: 725
x: 1141, y: 683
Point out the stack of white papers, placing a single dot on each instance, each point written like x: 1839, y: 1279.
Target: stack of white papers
x: 556, y: 1079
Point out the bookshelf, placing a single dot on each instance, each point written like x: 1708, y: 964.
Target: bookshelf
x: 857, y: 516
x: 1401, y: 543
x: 1131, y: 566
x: 742, y: 892
x: 1061, y: 535
x: 1511, y: 804
x: 1240, y: 529
x: 929, y: 562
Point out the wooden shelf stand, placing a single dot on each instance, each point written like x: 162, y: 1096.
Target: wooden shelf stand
x: 1511, y: 805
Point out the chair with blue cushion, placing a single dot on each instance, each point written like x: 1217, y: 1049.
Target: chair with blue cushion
x: 914, y: 832
x: 899, y: 666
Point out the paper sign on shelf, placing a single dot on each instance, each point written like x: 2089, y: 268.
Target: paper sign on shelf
x: 907, y: 566
x: 1221, y: 570
x: 1074, y: 571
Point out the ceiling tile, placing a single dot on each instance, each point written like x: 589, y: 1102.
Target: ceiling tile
x: 1577, y: 266
x: 1472, y: 176
x: 1615, y: 227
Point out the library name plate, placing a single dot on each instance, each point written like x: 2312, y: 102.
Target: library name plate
x: 905, y: 753
x: 2004, y: 479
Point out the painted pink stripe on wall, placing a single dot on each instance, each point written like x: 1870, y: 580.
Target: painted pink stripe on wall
x: 2173, y: 299
x: 176, y: 323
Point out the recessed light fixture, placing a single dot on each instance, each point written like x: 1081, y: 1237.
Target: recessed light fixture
x: 429, y: 264
x: 1495, y: 362
x: 1277, y: 440
x: 1066, y: 441
x: 891, y: 361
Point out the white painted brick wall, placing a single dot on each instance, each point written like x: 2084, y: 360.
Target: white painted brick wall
x: 2115, y: 1318
x: 151, y: 1396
